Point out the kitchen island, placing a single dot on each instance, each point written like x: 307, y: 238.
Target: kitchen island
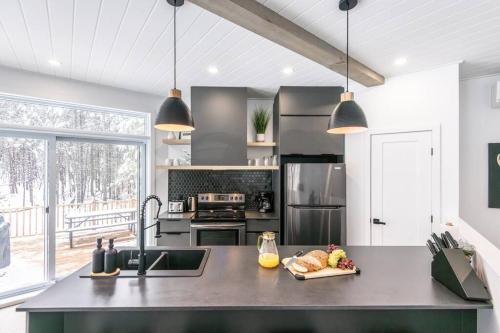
x: 393, y: 293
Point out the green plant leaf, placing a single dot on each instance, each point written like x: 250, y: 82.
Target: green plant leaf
x: 260, y: 119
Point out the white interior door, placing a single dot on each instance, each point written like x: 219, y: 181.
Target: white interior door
x: 401, y: 191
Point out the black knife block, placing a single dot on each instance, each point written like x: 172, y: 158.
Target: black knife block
x: 452, y: 268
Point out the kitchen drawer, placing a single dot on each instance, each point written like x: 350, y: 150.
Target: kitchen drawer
x: 262, y: 225
x: 175, y: 226
x: 252, y: 238
x: 174, y: 239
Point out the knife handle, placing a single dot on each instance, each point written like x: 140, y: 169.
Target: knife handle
x: 451, y: 240
x: 445, y: 241
x: 437, y: 241
x: 298, y: 253
x: 431, y: 247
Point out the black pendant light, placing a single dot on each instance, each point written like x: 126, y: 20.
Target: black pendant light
x: 347, y: 117
x: 174, y: 115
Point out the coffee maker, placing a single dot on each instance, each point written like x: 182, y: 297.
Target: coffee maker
x: 265, y: 201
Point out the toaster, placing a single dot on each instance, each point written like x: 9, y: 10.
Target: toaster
x: 176, y: 206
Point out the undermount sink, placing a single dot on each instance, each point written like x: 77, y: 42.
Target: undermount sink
x: 163, y: 261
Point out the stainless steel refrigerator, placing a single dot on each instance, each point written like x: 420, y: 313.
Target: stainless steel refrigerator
x: 315, y: 199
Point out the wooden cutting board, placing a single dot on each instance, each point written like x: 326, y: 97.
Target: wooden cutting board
x: 96, y: 275
x: 325, y: 272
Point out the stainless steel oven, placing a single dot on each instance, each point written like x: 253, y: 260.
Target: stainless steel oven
x: 217, y: 233
x: 219, y: 220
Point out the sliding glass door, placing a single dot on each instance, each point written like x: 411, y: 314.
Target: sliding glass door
x: 23, y: 214
x: 69, y: 174
x: 98, y: 187
x: 97, y: 192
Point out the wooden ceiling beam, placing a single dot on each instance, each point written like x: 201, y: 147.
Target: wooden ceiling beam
x: 261, y: 20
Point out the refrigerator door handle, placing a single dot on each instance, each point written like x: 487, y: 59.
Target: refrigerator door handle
x: 315, y: 207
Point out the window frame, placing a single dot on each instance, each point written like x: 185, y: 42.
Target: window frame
x: 84, y: 107
x: 52, y: 135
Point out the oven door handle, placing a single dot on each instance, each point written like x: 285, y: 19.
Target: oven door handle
x: 218, y: 226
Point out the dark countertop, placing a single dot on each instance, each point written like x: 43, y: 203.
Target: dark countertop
x: 255, y: 215
x: 175, y: 216
x: 391, y: 278
x: 249, y: 214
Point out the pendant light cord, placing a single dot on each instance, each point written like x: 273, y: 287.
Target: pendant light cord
x: 347, y: 75
x: 175, y: 47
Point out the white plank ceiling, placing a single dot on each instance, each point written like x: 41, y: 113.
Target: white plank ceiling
x: 128, y: 43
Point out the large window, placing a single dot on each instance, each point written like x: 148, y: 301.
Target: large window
x: 39, y: 114
x: 68, y: 175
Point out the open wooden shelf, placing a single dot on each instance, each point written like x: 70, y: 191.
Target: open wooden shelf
x: 261, y: 144
x: 179, y: 142
x: 217, y: 167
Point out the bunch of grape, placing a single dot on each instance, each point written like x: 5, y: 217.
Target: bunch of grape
x: 331, y: 247
x: 345, y: 263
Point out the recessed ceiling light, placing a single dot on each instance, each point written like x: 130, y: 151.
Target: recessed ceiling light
x: 400, y: 61
x: 54, y: 62
x: 213, y: 70
x: 288, y: 70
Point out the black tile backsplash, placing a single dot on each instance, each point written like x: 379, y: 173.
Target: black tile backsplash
x: 185, y: 183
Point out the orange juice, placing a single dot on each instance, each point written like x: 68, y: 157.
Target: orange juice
x: 269, y: 260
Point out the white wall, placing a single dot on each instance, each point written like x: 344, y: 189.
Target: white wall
x: 50, y: 87
x: 427, y: 99
x: 479, y: 125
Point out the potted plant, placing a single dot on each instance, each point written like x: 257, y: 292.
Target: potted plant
x: 261, y: 118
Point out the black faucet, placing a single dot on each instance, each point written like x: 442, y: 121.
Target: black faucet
x: 142, y: 256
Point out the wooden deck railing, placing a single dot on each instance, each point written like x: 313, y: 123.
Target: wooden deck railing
x: 29, y: 221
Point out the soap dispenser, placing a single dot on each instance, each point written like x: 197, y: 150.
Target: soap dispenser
x: 110, y: 258
x: 98, y: 258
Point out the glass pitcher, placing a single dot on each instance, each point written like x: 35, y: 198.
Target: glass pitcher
x: 268, y: 252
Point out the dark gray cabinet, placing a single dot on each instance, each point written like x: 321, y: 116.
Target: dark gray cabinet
x: 262, y: 225
x: 220, y: 116
x: 174, y: 233
x: 312, y: 101
x: 181, y: 239
x: 175, y: 225
x: 301, y: 116
x: 307, y: 135
x: 256, y: 227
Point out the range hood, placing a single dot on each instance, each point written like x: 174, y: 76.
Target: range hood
x: 220, y: 138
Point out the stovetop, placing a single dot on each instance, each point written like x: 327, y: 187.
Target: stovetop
x: 219, y: 215
x: 220, y: 207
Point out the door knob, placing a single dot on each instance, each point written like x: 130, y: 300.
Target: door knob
x: 377, y: 221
